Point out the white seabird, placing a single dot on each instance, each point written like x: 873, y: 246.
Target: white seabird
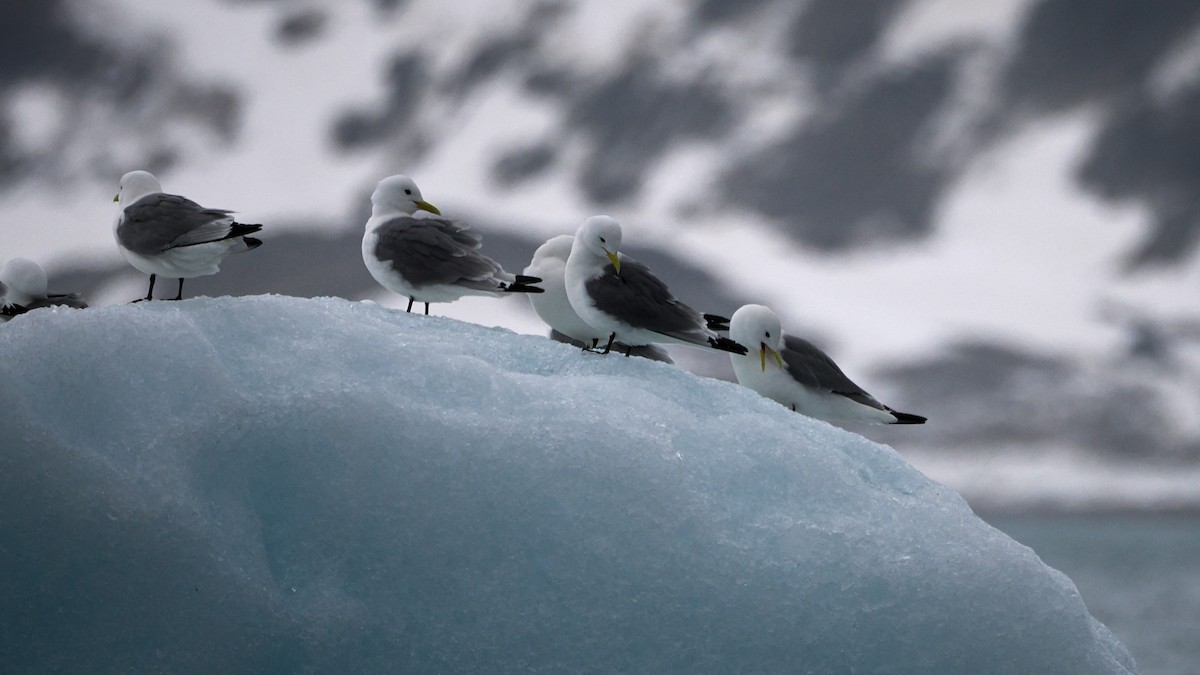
x: 799, y: 375
x: 428, y: 259
x: 549, y: 264
x: 167, y: 235
x: 623, y: 299
x: 23, y: 287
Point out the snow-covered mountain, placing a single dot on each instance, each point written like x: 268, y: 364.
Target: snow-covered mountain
x: 985, y: 211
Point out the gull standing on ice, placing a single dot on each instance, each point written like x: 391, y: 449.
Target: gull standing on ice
x: 167, y: 235
x: 549, y: 263
x: 801, y: 376
x: 425, y: 258
x: 23, y: 288
x: 622, y: 298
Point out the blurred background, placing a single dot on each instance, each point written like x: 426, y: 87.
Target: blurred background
x: 987, y: 211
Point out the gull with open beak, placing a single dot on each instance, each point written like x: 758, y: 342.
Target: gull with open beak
x: 801, y: 376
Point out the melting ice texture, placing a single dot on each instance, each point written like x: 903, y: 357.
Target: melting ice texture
x: 275, y: 484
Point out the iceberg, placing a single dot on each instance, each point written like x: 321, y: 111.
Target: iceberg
x: 274, y: 484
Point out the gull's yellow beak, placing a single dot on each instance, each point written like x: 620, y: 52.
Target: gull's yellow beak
x: 117, y: 197
x: 615, y: 260
x: 426, y: 206
x: 762, y: 356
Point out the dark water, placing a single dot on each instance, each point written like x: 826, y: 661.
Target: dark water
x: 1138, y: 574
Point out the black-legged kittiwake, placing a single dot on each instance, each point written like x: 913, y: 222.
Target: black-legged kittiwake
x: 167, y: 235
x: 425, y: 258
x: 548, y: 263
x: 625, y: 301
x: 23, y: 287
x: 799, y: 375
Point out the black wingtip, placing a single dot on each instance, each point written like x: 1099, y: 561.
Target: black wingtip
x: 522, y: 283
x: 716, y: 322
x: 906, y: 418
x: 727, y: 345
x: 252, y: 243
x: 518, y: 287
x: 239, y: 229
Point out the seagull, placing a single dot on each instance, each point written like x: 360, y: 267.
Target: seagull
x: 622, y: 298
x: 548, y: 263
x: 173, y: 236
x: 801, y: 376
x: 426, y: 258
x: 23, y: 288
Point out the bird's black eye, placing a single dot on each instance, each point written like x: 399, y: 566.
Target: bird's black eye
x: 407, y: 191
x: 602, y: 240
x: 768, y: 333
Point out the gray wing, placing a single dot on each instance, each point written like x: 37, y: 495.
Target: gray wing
x: 159, y: 222
x: 428, y: 251
x: 638, y: 298
x: 810, y: 366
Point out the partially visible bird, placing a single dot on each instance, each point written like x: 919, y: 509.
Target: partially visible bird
x: 23, y: 287
x: 799, y: 375
x: 426, y: 258
x: 167, y: 235
x: 625, y: 302
x: 549, y: 263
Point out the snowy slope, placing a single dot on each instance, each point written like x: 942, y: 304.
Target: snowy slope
x: 275, y: 484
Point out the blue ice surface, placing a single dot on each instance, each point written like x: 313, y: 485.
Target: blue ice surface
x: 272, y: 484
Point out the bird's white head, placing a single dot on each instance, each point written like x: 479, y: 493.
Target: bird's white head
x: 758, y: 327
x: 600, y: 236
x: 25, y: 282
x: 135, y: 185
x: 399, y: 195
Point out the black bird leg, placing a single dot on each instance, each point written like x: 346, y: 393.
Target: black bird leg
x: 427, y: 309
x: 179, y: 295
x: 149, y: 293
x: 411, y: 300
x: 608, y: 347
